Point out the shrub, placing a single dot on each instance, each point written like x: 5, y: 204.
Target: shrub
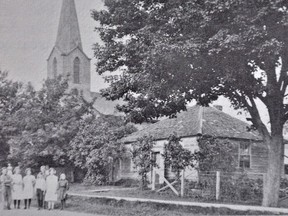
x: 216, y: 155
x: 176, y: 156
x: 241, y: 188
x: 142, y: 156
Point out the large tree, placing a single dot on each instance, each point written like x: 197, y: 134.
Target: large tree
x: 45, y: 123
x: 97, y: 146
x: 9, y: 92
x: 171, y: 52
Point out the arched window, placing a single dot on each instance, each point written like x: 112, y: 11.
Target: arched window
x: 76, y: 70
x: 55, y: 68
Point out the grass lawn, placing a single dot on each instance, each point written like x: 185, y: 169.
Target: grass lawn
x: 124, y: 208
x: 105, y: 206
x: 168, y: 194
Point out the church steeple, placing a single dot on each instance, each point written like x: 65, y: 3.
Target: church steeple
x: 67, y: 57
x: 68, y: 37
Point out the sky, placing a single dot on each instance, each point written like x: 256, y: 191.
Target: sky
x: 28, y: 31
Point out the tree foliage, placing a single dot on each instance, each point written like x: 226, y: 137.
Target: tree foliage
x: 216, y: 155
x: 9, y: 92
x: 143, y: 159
x: 97, y: 145
x: 176, y: 156
x: 171, y: 52
x: 45, y: 123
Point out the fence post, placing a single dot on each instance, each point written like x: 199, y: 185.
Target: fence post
x: 182, y: 182
x: 153, y: 178
x: 217, y: 185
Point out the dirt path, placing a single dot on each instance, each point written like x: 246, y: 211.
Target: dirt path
x: 35, y: 212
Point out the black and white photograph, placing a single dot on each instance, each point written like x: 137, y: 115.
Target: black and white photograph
x: 143, y: 107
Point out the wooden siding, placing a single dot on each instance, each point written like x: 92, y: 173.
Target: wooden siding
x: 258, y: 159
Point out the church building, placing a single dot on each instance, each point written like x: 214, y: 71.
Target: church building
x: 68, y: 58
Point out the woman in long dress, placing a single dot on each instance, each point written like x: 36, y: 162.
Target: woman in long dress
x: 28, y: 191
x: 17, y: 188
x: 51, y: 189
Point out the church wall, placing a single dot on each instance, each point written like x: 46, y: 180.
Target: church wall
x: 60, y: 60
x: 84, y: 70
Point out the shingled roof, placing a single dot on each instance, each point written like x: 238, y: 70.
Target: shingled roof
x: 197, y: 120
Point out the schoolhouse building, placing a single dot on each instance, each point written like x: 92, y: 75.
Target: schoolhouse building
x: 197, y: 121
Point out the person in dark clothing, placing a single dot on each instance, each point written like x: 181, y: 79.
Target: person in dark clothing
x: 40, y: 187
x: 6, y: 183
x: 63, y: 186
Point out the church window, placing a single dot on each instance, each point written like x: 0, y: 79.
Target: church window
x: 76, y: 70
x: 55, y: 68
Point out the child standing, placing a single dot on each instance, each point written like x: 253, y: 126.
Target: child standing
x: 28, y: 191
x: 40, y: 187
x: 63, y: 186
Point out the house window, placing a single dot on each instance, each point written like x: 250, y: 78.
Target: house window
x: 76, y: 70
x: 55, y: 68
x: 245, y: 155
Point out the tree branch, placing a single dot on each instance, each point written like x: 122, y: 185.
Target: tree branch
x: 263, y: 99
x: 256, y: 119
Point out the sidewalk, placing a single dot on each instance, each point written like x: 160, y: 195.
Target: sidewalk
x: 185, y: 203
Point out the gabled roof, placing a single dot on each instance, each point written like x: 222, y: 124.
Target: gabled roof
x: 81, y: 50
x: 68, y: 36
x: 195, y: 121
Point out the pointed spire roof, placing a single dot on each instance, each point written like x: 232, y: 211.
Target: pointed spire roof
x: 68, y: 37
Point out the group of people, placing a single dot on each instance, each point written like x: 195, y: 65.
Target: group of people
x: 46, y: 187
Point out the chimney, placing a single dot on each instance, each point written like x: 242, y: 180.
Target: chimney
x: 219, y: 107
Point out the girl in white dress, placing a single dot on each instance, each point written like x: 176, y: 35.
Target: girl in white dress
x: 17, y: 185
x: 51, y: 189
x: 28, y: 191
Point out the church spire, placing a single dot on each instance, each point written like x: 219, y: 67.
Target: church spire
x: 68, y: 36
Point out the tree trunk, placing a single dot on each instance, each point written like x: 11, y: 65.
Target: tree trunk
x: 271, y: 182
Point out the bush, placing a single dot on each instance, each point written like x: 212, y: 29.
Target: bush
x: 283, y: 188
x: 216, y: 155
x: 143, y: 159
x: 241, y: 188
